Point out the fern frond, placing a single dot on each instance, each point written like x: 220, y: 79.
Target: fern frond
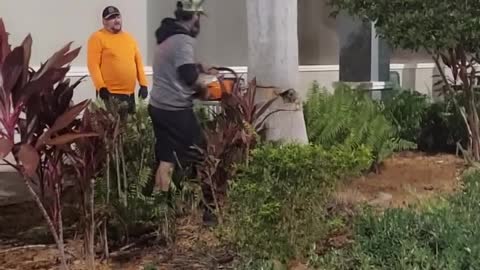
x: 351, y: 119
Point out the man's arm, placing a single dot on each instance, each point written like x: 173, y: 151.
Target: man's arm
x: 185, y: 61
x: 142, y: 79
x: 94, y: 59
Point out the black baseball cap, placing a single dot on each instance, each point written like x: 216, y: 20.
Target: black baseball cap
x: 110, y: 11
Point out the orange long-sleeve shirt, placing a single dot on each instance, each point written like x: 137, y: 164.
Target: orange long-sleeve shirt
x: 114, y: 61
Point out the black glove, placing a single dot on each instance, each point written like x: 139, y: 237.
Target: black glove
x: 104, y: 93
x: 143, y: 92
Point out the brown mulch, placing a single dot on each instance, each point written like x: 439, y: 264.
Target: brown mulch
x: 195, y: 247
x: 404, y: 179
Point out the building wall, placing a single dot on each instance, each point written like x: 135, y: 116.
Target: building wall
x: 53, y: 23
x: 223, y: 39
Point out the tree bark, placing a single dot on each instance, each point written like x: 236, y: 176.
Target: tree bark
x: 468, y: 111
x: 473, y: 120
x: 273, y: 60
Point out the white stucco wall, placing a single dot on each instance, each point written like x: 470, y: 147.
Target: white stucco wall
x: 53, y: 23
x: 223, y: 39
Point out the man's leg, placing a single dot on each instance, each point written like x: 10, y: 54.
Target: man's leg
x: 165, y: 166
x: 163, y: 176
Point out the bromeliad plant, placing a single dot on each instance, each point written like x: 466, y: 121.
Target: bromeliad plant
x: 37, y: 105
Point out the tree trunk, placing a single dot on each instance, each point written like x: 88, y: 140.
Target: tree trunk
x: 273, y: 60
x: 473, y: 121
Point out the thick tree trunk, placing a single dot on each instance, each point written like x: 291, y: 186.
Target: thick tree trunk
x: 273, y: 60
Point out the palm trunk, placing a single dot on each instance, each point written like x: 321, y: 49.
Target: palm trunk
x: 274, y: 61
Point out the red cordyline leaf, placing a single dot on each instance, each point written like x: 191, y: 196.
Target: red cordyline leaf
x: 27, y: 53
x: 4, y: 109
x: 4, y: 46
x: 67, y: 118
x: 62, y: 96
x: 252, y: 91
x: 58, y: 60
x: 68, y: 138
x: 27, y: 129
x: 66, y: 96
x: 62, y: 122
x: 6, y: 146
x: 12, y: 69
x: 263, y: 107
x: 29, y: 159
x: 39, y: 84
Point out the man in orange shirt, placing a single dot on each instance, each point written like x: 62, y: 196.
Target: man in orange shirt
x: 114, y: 61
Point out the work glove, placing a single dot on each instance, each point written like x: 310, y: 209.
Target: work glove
x: 143, y: 92
x: 104, y: 93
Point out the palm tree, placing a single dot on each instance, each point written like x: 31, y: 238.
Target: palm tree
x: 273, y: 60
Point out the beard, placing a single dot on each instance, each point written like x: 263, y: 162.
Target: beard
x: 116, y: 28
x: 195, y: 29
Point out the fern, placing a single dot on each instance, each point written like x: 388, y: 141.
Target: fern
x: 351, y: 119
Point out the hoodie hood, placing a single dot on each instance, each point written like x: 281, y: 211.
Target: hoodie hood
x: 168, y: 28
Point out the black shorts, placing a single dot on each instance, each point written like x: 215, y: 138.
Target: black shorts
x: 176, y: 133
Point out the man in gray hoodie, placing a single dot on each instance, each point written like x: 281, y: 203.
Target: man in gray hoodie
x: 176, y: 83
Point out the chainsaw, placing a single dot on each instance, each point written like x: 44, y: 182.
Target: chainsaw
x: 219, y: 85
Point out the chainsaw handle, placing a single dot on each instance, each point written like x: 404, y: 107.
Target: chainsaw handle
x: 229, y: 70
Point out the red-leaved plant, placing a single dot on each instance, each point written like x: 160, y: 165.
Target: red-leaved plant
x: 88, y: 158
x: 231, y: 136
x: 37, y: 105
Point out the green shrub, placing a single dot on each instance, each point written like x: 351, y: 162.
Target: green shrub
x: 276, y: 204
x: 406, y: 111
x: 350, y: 118
x: 443, y: 236
x: 442, y: 128
x: 434, y: 127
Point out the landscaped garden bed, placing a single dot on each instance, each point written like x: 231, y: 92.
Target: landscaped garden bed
x: 381, y: 184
